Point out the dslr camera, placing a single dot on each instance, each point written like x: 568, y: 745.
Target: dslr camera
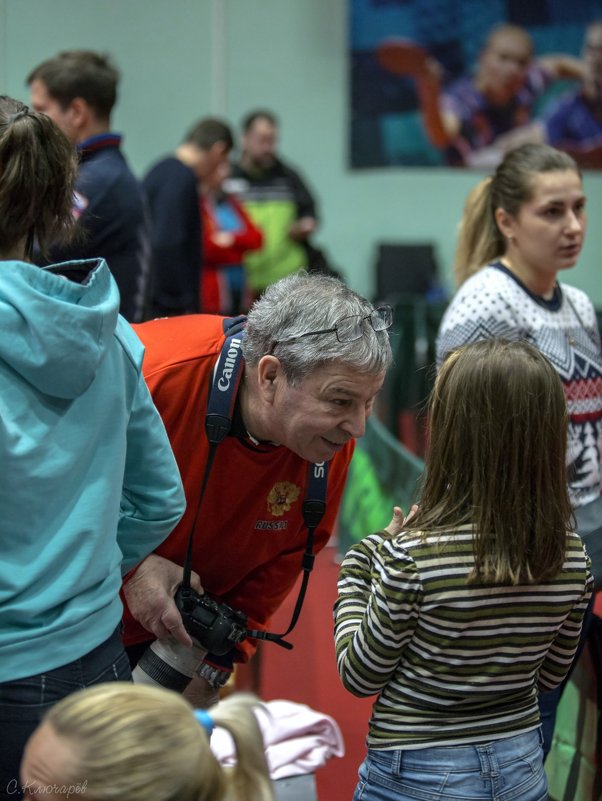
x: 214, y: 627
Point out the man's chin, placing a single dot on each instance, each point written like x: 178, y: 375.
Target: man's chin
x: 329, y: 450
x: 265, y: 164
x: 316, y: 455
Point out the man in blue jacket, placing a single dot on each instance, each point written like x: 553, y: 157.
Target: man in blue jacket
x: 77, y: 89
x: 171, y: 189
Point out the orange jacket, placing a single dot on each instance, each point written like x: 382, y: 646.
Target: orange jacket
x: 250, y: 535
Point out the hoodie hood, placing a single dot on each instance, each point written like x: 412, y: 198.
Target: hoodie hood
x: 56, y: 322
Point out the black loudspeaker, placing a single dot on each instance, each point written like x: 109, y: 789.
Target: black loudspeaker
x: 405, y: 269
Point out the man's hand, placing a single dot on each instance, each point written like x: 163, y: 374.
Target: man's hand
x: 302, y: 228
x: 149, y: 595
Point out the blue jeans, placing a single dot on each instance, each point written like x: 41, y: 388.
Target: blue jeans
x: 502, y: 770
x: 23, y: 702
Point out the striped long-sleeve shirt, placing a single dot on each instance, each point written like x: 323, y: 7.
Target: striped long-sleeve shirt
x: 452, y: 662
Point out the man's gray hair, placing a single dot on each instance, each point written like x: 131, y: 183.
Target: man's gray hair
x: 305, y: 302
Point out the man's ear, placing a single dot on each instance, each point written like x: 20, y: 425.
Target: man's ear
x: 269, y: 375
x: 79, y: 113
x: 218, y: 150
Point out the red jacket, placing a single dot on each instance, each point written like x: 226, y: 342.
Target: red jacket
x: 250, y: 534
x: 216, y: 256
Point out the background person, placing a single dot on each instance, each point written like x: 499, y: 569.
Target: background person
x: 277, y: 200
x: 138, y: 743
x: 458, y: 616
x: 521, y: 228
x: 77, y: 89
x: 89, y: 483
x: 172, y: 190
x: 575, y: 125
x: 315, y: 356
x: 228, y: 234
x: 477, y: 118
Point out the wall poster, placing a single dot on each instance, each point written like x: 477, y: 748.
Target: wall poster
x: 456, y: 83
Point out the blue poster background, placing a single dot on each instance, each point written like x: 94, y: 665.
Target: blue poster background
x: 386, y: 126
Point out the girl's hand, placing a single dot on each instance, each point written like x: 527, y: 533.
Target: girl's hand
x: 399, y: 519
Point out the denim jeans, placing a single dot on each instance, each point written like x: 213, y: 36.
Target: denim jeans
x: 501, y: 770
x: 23, y: 702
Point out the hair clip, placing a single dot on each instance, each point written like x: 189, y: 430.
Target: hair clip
x: 17, y: 116
x: 205, y: 719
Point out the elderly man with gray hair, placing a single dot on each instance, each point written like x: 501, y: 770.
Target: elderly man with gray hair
x: 262, y: 414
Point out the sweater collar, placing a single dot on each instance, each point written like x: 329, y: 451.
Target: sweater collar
x: 93, y: 144
x: 552, y: 304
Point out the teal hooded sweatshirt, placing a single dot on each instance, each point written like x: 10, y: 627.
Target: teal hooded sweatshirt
x: 88, y: 482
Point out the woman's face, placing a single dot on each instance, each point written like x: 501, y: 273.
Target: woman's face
x: 217, y: 176
x: 547, y: 233
x: 504, y: 64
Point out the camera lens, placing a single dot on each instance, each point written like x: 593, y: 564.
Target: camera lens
x: 168, y: 664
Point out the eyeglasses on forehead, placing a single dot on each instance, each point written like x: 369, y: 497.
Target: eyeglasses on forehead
x: 350, y: 328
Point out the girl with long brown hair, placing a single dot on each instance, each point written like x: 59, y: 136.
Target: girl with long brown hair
x: 459, y: 619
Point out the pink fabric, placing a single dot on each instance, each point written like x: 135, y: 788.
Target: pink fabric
x: 297, y: 739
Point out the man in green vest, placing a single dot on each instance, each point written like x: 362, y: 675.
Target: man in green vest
x: 278, y: 202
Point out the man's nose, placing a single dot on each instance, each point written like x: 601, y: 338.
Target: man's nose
x: 355, y: 424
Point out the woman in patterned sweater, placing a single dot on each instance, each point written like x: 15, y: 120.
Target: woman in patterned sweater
x: 459, y: 619
x: 521, y: 228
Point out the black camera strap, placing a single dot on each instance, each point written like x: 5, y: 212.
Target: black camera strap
x: 220, y: 408
x: 218, y: 422
x: 313, y: 509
